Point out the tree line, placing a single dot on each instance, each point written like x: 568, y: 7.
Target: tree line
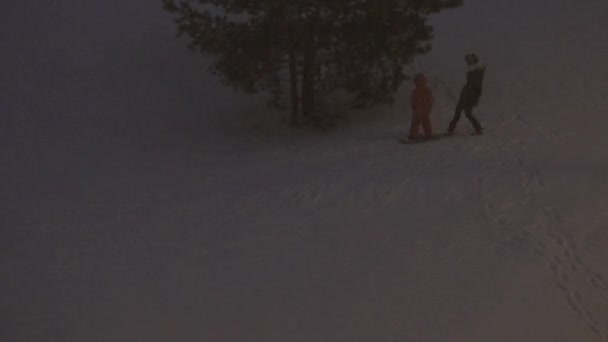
x: 303, y: 51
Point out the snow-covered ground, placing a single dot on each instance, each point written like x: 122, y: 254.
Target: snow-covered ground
x: 139, y: 203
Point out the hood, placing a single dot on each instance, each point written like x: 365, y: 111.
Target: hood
x: 473, y: 62
x: 420, y: 80
x: 477, y: 66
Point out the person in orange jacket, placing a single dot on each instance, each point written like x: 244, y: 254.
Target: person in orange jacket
x: 422, y: 104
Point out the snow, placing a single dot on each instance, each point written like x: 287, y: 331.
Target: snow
x: 139, y: 203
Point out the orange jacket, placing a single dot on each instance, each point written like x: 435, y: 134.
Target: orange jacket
x: 422, y: 97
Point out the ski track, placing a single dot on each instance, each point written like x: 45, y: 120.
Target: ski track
x: 337, y: 189
x: 557, y: 248
x: 583, y: 289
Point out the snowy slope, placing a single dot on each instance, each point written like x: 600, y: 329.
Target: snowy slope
x: 136, y: 207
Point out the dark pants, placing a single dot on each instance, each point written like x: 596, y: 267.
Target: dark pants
x: 468, y: 112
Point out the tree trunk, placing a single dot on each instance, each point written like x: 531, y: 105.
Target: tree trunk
x: 308, y: 81
x: 293, y: 83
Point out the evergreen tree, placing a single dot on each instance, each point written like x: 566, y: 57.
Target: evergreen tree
x: 310, y: 48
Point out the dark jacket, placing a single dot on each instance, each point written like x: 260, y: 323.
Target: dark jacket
x: 471, y: 92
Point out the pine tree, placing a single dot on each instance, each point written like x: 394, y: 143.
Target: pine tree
x: 310, y: 48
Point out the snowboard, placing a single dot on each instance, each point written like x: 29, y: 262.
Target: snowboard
x: 473, y: 134
x: 419, y: 140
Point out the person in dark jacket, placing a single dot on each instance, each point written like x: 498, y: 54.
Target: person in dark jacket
x: 470, y: 94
